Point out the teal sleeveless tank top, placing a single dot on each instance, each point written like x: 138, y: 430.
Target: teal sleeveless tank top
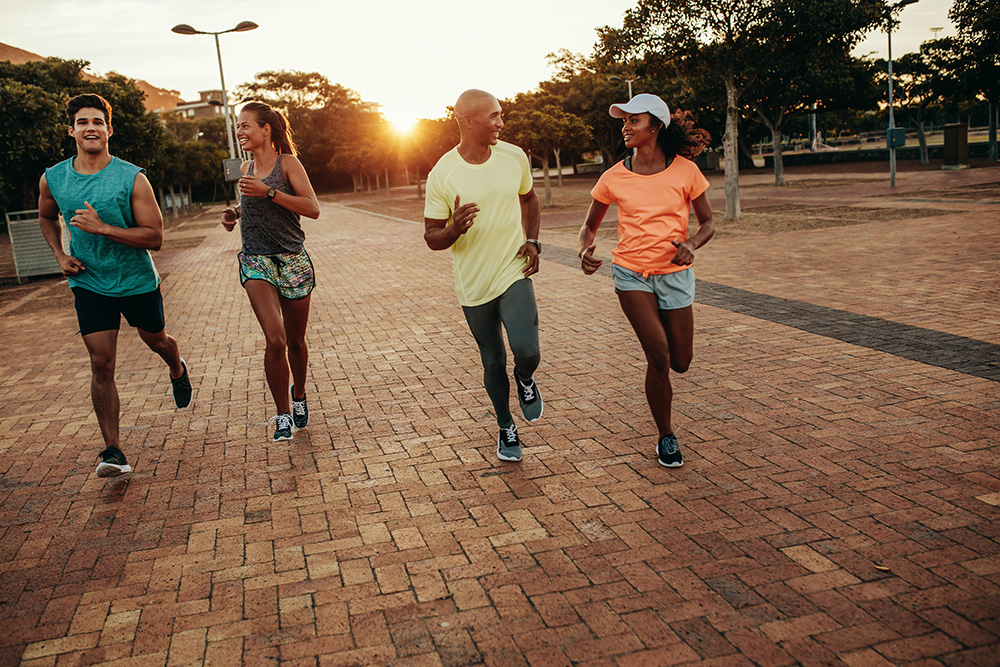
x: 110, y: 268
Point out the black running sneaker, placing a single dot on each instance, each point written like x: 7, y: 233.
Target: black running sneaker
x: 528, y: 397
x: 668, y: 452
x: 283, y: 427
x: 300, y: 411
x: 182, y: 388
x: 112, y: 463
x: 508, y: 444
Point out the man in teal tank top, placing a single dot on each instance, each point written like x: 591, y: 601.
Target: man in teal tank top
x: 113, y: 222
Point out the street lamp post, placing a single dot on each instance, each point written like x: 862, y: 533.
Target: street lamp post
x: 891, y: 135
x: 628, y: 81
x: 243, y: 26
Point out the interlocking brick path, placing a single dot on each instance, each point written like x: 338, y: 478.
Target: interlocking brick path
x: 838, y: 506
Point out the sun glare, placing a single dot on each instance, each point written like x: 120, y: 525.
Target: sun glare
x: 402, y: 126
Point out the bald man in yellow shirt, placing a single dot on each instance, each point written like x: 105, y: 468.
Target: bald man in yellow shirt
x: 480, y: 203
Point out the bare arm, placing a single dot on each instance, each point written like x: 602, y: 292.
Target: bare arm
x: 303, y: 202
x: 148, y: 232
x: 706, y: 229
x: 439, y: 235
x: 588, y: 232
x: 48, y: 219
x: 531, y: 221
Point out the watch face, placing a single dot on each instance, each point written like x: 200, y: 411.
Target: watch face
x: 271, y: 193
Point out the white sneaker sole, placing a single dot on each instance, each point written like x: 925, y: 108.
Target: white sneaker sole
x: 112, y: 469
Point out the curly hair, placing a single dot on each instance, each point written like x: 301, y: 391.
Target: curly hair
x: 681, y: 137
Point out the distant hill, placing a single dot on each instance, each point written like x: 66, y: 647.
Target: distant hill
x: 157, y: 99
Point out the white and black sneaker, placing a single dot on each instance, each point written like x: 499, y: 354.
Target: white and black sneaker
x: 508, y: 444
x: 668, y: 452
x: 528, y: 397
x: 112, y: 463
x: 300, y: 411
x: 283, y: 427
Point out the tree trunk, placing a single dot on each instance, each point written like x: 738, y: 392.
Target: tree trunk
x: 779, y: 161
x: 730, y: 148
x: 558, y: 165
x: 163, y: 200
x: 545, y: 179
x: 173, y: 202
x: 992, y: 108
x: 387, y: 180
x: 922, y: 138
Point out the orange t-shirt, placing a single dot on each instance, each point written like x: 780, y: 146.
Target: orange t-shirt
x: 653, y: 210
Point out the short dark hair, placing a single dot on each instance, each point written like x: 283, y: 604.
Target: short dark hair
x: 88, y: 101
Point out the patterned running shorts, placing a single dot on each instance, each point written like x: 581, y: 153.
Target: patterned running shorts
x: 290, y: 272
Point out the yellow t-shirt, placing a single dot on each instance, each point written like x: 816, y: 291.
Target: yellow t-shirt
x: 485, y: 257
x: 653, y: 210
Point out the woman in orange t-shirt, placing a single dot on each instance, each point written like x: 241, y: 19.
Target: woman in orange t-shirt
x: 654, y: 189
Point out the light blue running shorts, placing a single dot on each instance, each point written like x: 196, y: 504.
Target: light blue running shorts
x: 672, y: 290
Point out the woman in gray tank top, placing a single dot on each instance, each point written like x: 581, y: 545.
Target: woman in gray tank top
x: 274, y: 267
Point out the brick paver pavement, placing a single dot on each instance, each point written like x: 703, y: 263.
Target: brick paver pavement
x: 839, y: 503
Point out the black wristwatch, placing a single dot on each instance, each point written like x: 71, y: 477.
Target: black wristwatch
x: 538, y: 246
x: 271, y: 193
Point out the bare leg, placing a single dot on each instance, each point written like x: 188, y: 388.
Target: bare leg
x: 295, y: 315
x: 265, y: 301
x: 166, y: 347
x: 652, y: 327
x: 102, y: 346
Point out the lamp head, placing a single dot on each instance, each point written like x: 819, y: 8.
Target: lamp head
x: 250, y: 25
x: 185, y: 29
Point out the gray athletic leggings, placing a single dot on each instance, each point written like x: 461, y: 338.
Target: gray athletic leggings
x: 516, y: 310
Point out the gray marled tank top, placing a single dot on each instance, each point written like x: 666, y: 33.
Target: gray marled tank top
x: 269, y: 229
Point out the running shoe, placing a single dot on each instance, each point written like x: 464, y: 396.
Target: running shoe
x: 508, y: 444
x: 528, y: 397
x: 668, y: 452
x: 300, y: 411
x: 182, y: 388
x: 283, y: 427
x: 112, y: 463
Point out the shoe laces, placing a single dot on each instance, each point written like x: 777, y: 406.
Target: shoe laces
x: 299, y: 407
x: 511, y: 433
x: 284, y: 420
x: 527, y: 390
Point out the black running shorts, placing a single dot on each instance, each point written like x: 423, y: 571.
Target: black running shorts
x: 97, y: 312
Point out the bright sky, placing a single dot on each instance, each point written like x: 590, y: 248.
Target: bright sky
x: 413, y: 58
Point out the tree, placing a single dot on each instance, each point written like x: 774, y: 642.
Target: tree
x: 978, y: 23
x: 932, y: 76
x: 30, y: 140
x: 813, y: 71
x: 538, y: 125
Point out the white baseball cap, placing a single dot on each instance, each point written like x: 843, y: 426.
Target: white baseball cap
x: 642, y: 103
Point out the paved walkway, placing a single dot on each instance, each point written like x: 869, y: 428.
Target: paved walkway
x: 839, y: 504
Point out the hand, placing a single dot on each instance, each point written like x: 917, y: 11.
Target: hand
x: 251, y: 186
x: 529, y: 250
x: 685, y: 253
x: 463, y: 217
x: 69, y: 265
x: 588, y: 262
x: 87, y: 219
x: 229, y: 219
